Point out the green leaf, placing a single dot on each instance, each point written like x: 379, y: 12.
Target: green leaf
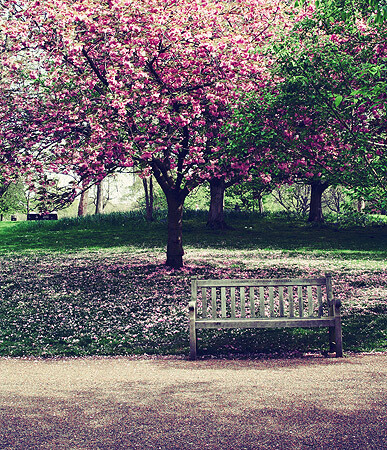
x: 338, y: 100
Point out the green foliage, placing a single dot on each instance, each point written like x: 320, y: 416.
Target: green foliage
x: 336, y: 74
x: 353, y: 219
x: 375, y: 11
x: 199, y: 198
x: 12, y: 198
x: 247, y: 195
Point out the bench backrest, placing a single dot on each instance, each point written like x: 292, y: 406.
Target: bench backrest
x: 263, y: 298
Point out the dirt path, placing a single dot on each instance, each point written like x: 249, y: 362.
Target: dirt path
x: 120, y: 403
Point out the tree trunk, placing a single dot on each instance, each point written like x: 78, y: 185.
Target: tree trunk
x: 260, y: 203
x: 315, y: 207
x: 175, y: 250
x: 148, y: 198
x: 360, y: 204
x: 83, y: 200
x: 216, y: 213
x: 99, y: 199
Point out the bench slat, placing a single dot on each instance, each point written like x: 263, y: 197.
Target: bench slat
x: 204, y: 302
x: 271, y: 300
x: 291, y: 301
x: 263, y: 282
x: 265, y: 323
x: 262, y: 301
x: 252, y: 303
x: 310, y: 301
x: 243, y: 302
x: 319, y: 301
x: 232, y: 292
x: 281, y: 300
x: 300, y: 302
x: 213, y: 302
x: 223, y: 301
x: 194, y: 293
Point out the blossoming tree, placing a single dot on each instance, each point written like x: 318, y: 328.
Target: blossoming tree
x: 324, y: 119
x: 336, y: 65
x: 149, y: 83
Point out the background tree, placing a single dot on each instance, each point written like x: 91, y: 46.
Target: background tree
x: 322, y: 118
x: 334, y: 63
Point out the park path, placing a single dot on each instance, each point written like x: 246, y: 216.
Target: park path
x: 172, y: 403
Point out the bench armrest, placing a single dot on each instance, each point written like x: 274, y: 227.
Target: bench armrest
x: 337, y: 303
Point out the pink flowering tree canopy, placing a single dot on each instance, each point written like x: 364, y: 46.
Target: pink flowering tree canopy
x: 145, y: 83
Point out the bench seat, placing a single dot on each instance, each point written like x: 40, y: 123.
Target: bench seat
x: 265, y: 323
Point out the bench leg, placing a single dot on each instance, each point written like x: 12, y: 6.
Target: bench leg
x: 192, y: 330
x: 332, y: 339
x: 335, y: 339
x: 338, y: 338
x: 192, y: 342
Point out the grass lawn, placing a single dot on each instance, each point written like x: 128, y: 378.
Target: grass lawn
x: 98, y: 286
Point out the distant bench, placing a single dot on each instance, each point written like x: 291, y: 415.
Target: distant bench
x: 37, y: 216
x: 265, y: 303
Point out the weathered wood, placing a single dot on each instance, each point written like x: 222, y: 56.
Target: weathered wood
x: 262, y: 301
x: 265, y: 323
x: 213, y: 302
x: 300, y: 302
x: 281, y: 300
x: 243, y: 302
x: 204, y: 302
x: 310, y: 301
x: 232, y: 294
x: 229, y: 307
x: 291, y: 301
x: 194, y: 292
x: 223, y: 301
x: 332, y: 338
x: 271, y: 301
x: 338, y: 335
x: 192, y: 330
x: 319, y: 301
x: 252, y: 302
x: 263, y: 282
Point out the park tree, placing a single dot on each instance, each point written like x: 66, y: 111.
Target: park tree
x: 335, y: 62
x: 323, y: 116
x: 145, y: 83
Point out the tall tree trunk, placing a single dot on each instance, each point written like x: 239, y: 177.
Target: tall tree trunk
x: 260, y: 203
x: 360, y: 204
x: 148, y: 198
x: 175, y: 250
x: 216, y: 213
x: 315, y: 207
x: 99, y: 199
x: 83, y: 201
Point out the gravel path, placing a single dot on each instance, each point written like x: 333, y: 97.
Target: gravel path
x: 124, y: 403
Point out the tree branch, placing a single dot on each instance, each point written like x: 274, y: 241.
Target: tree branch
x: 94, y: 68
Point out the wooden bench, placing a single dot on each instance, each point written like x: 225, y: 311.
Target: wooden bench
x: 266, y: 303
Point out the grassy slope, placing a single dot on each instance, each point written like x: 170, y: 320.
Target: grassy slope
x: 246, y: 232
x: 97, y: 285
